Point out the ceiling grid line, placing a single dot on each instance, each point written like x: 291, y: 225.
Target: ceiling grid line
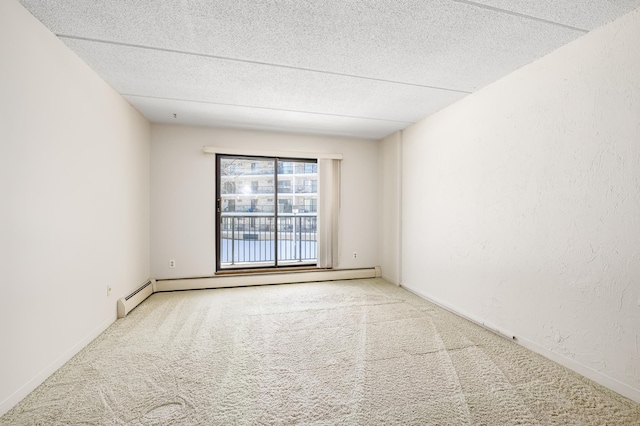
x: 248, y: 61
x: 521, y: 15
x: 266, y: 108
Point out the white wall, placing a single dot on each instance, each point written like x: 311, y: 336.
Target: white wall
x: 522, y: 205
x: 74, y: 188
x: 390, y: 203
x: 183, y: 194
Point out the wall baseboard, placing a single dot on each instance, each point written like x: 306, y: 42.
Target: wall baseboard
x: 37, y: 380
x: 598, y: 377
x: 588, y: 372
x: 240, y: 280
x: 392, y: 280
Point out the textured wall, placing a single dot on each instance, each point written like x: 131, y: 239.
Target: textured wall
x: 74, y: 180
x: 183, y: 194
x: 390, y: 201
x: 521, y: 205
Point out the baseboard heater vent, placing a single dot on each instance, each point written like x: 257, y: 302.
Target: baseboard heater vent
x: 241, y: 280
x: 126, y: 304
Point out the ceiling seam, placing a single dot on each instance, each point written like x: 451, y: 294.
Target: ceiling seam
x: 267, y: 108
x: 247, y: 61
x: 521, y: 15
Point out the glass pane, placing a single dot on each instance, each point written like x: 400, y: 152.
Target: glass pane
x: 247, y: 225
x: 297, y: 211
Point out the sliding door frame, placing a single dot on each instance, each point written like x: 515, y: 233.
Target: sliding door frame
x: 276, y: 197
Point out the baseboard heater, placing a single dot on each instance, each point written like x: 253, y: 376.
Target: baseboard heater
x: 241, y: 280
x: 126, y: 304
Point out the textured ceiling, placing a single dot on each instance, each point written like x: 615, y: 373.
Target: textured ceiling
x: 335, y: 67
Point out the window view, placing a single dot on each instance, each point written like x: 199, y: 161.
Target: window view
x: 267, y: 212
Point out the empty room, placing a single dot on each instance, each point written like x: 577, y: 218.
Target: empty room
x: 342, y: 212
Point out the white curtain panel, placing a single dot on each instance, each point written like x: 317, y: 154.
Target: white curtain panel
x: 328, y: 211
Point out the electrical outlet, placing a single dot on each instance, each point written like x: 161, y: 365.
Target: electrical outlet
x: 355, y: 254
x: 172, y: 263
x: 108, y: 290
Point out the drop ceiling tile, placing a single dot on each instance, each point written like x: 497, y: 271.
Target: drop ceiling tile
x: 434, y: 42
x: 582, y: 14
x: 195, y: 114
x: 167, y: 75
x: 333, y: 63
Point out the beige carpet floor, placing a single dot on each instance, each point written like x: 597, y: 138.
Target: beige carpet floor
x: 360, y: 352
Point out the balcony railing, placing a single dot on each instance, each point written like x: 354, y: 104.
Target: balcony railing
x: 262, y: 189
x: 282, y: 208
x: 306, y: 189
x: 269, y: 190
x: 267, y: 170
x: 251, y: 240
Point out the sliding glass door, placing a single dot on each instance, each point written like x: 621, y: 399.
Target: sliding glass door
x: 266, y: 212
